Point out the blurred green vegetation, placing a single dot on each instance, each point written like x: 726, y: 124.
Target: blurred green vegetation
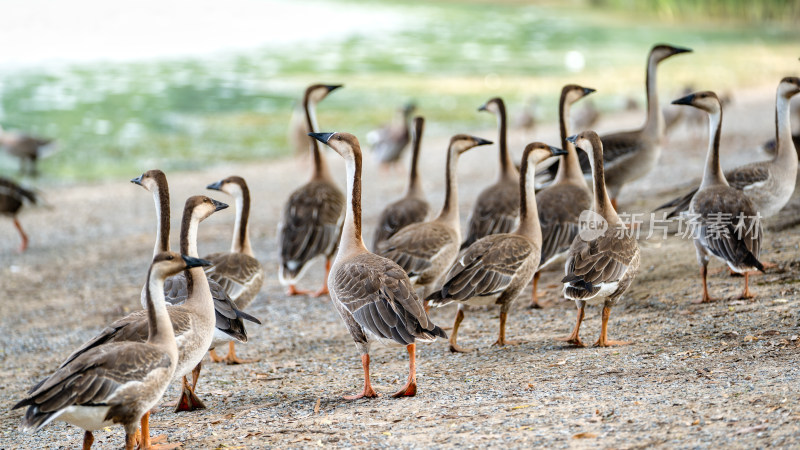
x: 114, y: 120
x: 743, y: 11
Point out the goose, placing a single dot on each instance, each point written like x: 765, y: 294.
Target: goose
x: 602, y: 261
x: 312, y: 217
x: 631, y: 155
x: 193, y: 321
x: 526, y: 117
x: 237, y: 271
x: 425, y: 250
x: 12, y: 197
x: 768, y: 184
x: 562, y: 202
x: 496, y: 209
x: 373, y: 295
x: 116, y: 382
x: 495, y: 269
x: 413, y: 207
x: 389, y: 141
x: 724, y: 219
x: 27, y: 148
x: 229, y: 325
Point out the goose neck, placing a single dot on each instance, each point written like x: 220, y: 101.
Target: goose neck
x: 159, y: 324
x: 602, y: 203
x: 654, y: 125
x: 351, y: 241
x: 713, y: 172
x: 320, y: 169
x: 529, y: 214
x: 569, y: 167
x: 161, y: 200
x: 506, y: 164
x: 241, y: 233
x: 449, y: 212
x: 786, y: 153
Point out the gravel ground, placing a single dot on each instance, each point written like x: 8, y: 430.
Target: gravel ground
x: 695, y: 376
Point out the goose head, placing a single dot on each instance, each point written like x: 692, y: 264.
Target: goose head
x: 789, y: 87
x: 201, y: 206
x: 572, y: 93
x: 661, y: 52
x: 460, y: 143
x: 233, y: 185
x: 344, y: 144
x: 494, y: 106
x: 584, y: 141
x: 409, y: 109
x: 152, y: 180
x: 536, y: 152
x: 166, y: 264
x: 706, y: 100
x: 316, y: 92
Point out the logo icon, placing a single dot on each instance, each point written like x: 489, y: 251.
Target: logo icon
x: 591, y: 225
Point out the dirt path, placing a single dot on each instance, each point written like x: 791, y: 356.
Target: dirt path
x: 724, y: 374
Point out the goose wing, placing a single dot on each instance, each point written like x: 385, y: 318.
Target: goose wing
x: 560, y: 207
x: 728, y: 226
x: 592, y: 265
x: 415, y: 246
x: 486, y: 268
x: 236, y: 273
x: 618, y: 147
x: 380, y: 297
x: 93, y: 379
x: 496, y: 211
x: 311, y: 224
x: 398, y: 215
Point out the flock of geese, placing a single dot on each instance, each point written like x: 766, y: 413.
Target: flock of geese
x: 416, y: 262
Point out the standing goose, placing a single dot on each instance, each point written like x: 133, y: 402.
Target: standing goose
x: 193, y: 321
x: 495, y: 269
x: 27, y: 148
x: 312, y: 218
x: 413, y: 207
x: 116, y: 382
x: 562, y: 203
x: 237, y: 271
x: 725, y: 219
x: 600, y: 264
x: 228, y: 318
x: 631, y: 155
x: 497, y: 208
x: 389, y: 142
x: 12, y: 197
x: 373, y: 295
x: 768, y: 184
x: 426, y: 250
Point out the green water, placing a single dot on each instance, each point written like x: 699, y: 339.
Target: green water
x: 116, y: 120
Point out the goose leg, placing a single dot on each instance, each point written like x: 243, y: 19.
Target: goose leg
x: 706, y: 298
x: 501, y: 339
x: 212, y: 354
x: 88, y: 440
x: 292, y: 291
x: 746, y: 293
x: 368, y: 391
x: 454, y: 347
x: 324, y: 289
x: 534, y: 298
x: 143, y: 437
x: 574, y: 338
x: 603, y: 341
x: 410, y: 388
x: 130, y: 440
x: 22, y: 234
x: 188, y: 401
x: 231, y: 357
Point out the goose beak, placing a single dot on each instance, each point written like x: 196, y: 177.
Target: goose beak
x: 217, y: 186
x: 322, y: 137
x: 677, y: 50
x: 137, y: 180
x: 333, y: 87
x: 587, y: 91
x: 218, y: 206
x: 684, y: 100
x: 194, y: 262
x: 572, y: 138
x: 483, y: 108
x: 481, y: 141
x: 555, y: 151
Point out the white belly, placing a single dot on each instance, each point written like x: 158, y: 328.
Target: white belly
x: 89, y: 418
